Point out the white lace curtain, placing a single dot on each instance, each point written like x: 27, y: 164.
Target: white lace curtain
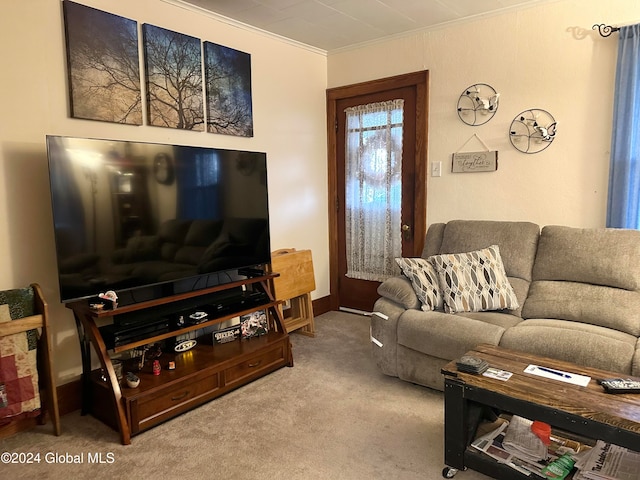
x: 373, y: 189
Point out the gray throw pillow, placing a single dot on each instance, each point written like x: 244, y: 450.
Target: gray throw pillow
x: 474, y: 281
x: 424, y: 281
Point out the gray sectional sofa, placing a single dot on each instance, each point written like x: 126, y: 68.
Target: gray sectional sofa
x: 578, y: 295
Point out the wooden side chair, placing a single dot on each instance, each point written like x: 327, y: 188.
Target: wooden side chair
x: 27, y: 386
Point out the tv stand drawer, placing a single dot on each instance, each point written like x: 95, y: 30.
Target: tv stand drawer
x: 155, y: 407
x: 255, y: 366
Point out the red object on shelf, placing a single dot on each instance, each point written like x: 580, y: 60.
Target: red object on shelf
x: 542, y: 431
x: 156, y: 367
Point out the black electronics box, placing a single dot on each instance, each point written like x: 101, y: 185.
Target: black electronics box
x: 115, y: 335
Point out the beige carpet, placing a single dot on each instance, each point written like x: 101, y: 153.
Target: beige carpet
x: 332, y: 416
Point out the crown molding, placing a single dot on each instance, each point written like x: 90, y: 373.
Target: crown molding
x: 243, y: 26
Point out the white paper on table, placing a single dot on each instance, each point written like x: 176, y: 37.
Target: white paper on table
x: 561, y: 375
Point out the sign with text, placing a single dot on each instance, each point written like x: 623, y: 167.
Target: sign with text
x: 469, y: 162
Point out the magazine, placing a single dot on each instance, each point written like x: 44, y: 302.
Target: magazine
x: 522, y: 442
x: 492, y: 445
x: 607, y: 461
x: 254, y: 324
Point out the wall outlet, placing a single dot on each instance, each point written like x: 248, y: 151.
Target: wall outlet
x: 436, y: 169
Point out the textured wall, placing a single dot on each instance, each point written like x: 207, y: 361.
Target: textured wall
x: 544, y: 57
x: 289, y: 85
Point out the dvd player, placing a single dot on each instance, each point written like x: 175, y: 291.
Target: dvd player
x: 116, y: 335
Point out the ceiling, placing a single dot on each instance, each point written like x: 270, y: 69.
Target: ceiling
x: 333, y: 24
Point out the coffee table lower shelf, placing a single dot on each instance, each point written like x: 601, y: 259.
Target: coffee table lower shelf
x: 480, y: 463
x: 583, y: 411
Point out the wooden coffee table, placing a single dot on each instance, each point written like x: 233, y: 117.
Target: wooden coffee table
x: 585, y: 411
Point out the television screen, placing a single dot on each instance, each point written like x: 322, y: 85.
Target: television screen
x: 131, y: 214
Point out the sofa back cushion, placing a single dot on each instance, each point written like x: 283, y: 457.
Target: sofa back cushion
x: 518, y: 242
x: 587, y: 275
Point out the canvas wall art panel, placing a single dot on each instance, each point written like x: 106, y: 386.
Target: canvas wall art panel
x: 228, y: 90
x: 173, y: 69
x: 103, y: 65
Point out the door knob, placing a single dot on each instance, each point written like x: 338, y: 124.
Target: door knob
x: 406, y: 229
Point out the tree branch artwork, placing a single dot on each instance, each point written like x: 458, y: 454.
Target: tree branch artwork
x: 228, y: 89
x: 174, y: 79
x: 104, y: 73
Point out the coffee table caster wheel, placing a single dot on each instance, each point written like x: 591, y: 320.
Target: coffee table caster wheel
x: 449, y: 472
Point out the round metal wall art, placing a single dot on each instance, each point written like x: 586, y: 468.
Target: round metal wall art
x: 478, y: 104
x: 533, y: 130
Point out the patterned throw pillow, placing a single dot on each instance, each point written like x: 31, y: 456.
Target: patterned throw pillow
x: 474, y: 281
x: 424, y: 281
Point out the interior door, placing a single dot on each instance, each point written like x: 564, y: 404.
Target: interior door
x: 348, y: 288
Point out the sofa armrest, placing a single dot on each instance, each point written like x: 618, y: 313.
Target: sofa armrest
x: 399, y: 290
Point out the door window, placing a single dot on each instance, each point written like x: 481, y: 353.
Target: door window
x: 373, y: 181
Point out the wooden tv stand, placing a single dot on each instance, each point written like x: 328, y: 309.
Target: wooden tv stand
x: 201, y: 374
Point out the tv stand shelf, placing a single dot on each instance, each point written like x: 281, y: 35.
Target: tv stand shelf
x: 190, y: 328
x: 201, y: 374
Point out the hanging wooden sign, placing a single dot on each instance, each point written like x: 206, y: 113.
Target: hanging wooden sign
x: 469, y: 162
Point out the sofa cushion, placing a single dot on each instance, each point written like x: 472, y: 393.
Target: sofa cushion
x: 600, y: 256
x: 518, y: 241
x: 442, y: 335
x: 587, y: 275
x: 581, y: 343
x: 424, y: 279
x: 584, y: 303
x: 474, y: 281
x: 501, y: 318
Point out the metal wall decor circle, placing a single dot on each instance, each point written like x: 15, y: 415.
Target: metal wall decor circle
x: 532, y: 130
x: 478, y: 104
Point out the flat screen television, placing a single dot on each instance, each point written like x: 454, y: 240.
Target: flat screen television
x: 148, y: 219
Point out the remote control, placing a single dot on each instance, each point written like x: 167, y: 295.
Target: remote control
x: 469, y: 364
x: 620, y: 385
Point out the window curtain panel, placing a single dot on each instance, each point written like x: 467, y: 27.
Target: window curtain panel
x: 373, y: 189
x: 624, y: 178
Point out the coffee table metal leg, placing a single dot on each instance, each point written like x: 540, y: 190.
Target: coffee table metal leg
x: 455, y: 425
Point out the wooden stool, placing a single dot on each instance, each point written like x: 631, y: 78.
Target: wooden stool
x: 294, y: 285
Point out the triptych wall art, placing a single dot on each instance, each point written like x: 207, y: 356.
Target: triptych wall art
x: 104, y: 75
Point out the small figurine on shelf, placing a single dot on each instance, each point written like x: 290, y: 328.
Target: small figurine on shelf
x: 156, y: 367
x: 132, y: 380
x: 111, y: 297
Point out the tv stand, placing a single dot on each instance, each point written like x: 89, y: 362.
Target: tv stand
x: 206, y: 372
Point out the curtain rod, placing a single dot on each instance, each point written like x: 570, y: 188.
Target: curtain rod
x: 605, y: 30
